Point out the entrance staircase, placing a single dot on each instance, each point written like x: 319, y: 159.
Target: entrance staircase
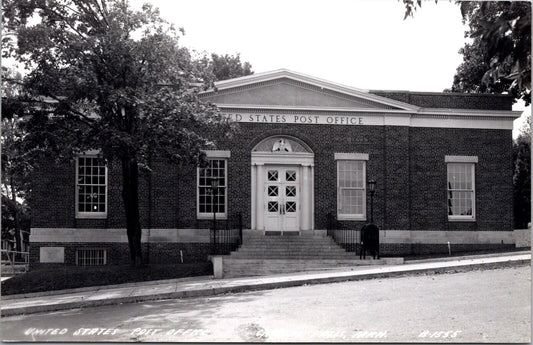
x: 262, y: 254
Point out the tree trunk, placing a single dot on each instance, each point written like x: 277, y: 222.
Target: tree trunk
x: 130, y: 196
x: 18, y: 242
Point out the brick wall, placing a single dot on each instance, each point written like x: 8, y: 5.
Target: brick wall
x: 450, y: 100
x: 408, y: 164
x: 118, y: 253
x: 494, y: 203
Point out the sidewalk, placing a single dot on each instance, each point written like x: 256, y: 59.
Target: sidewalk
x: 207, y: 286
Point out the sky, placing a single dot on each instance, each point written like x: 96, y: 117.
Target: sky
x: 365, y: 44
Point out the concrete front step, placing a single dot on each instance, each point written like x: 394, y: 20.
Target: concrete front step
x: 289, y: 245
x: 312, y: 250
x: 278, y: 234
x: 284, y: 249
x: 291, y: 242
x: 254, y: 267
x: 296, y: 257
x: 252, y: 253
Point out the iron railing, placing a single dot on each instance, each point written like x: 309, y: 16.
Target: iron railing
x: 349, y: 239
x: 16, y: 260
x: 227, y: 235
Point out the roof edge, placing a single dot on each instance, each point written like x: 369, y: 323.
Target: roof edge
x: 322, y: 83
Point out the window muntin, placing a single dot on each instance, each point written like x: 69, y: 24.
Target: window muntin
x: 207, y: 201
x: 461, y: 191
x: 91, y: 257
x: 91, y: 187
x: 351, y: 189
x: 272, y: 175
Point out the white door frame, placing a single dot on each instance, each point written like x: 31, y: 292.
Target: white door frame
x: 303, y: 159
x: 282, y: 219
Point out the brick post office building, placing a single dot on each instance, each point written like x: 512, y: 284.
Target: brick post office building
x: 306, y: 148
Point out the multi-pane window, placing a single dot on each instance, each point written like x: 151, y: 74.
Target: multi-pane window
x: 91, y: 189
x: 90, y: 257
x: 212, y: 200
x: 461, y: 191
x: 351, y: 189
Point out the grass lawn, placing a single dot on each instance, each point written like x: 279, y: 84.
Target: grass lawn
x: 75, y: 277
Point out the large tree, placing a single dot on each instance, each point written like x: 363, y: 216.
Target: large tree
x: 522, y: 176
x: 497, y: 57
x: 16, y: 169
x: 16, y: 163
x: 229, y: 66
x: 107, y: 77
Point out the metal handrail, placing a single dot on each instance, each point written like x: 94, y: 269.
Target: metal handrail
x: 228, y: 238
x: 348, y: 239
x: 11, y: 258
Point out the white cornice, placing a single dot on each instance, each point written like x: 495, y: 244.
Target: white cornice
x: 217, y: 153
x: 420, y: 112
x: 321, y: 83
x: 299, y: 158
x: 350, y: 156
x: 470, y: 112
x: 404, y: 114
x: 461, y: 159
x: 253, y: 107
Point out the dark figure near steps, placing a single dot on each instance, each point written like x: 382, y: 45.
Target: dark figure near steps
x: 369, y: 241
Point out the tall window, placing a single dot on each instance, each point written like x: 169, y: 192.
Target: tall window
x: 351, y: 189
x: 91, y: 189
x: 461, y: 191
x: 212, y: 200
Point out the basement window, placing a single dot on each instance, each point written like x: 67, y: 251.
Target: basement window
x: 91, y: 257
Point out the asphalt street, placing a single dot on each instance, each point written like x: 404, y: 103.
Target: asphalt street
x: 479, y: 306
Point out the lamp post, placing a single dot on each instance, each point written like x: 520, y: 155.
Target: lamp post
x: 214, y: 187
x: 371, y: 188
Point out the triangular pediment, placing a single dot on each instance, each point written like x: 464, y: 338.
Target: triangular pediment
x: 289, y: 89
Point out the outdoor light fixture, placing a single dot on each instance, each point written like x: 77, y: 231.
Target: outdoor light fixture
x: 214, y: 182
x: 371, y: 188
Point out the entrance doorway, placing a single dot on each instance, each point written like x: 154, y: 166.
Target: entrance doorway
x: 282, y: 198
x: 282, y: 185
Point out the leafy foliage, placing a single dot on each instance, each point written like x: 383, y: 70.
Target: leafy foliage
x: 17, y: 164
x: 228, y: 66
x: 522, y: 176
x: 411, y: 6
x: 15, y: 218
x: 103, y: 76
x: 498, y: 59
x: 110, y: 91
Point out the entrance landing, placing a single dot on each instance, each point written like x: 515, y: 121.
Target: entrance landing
x: 282, y: 233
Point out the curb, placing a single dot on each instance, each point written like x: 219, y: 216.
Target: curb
x: 212, y: 291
